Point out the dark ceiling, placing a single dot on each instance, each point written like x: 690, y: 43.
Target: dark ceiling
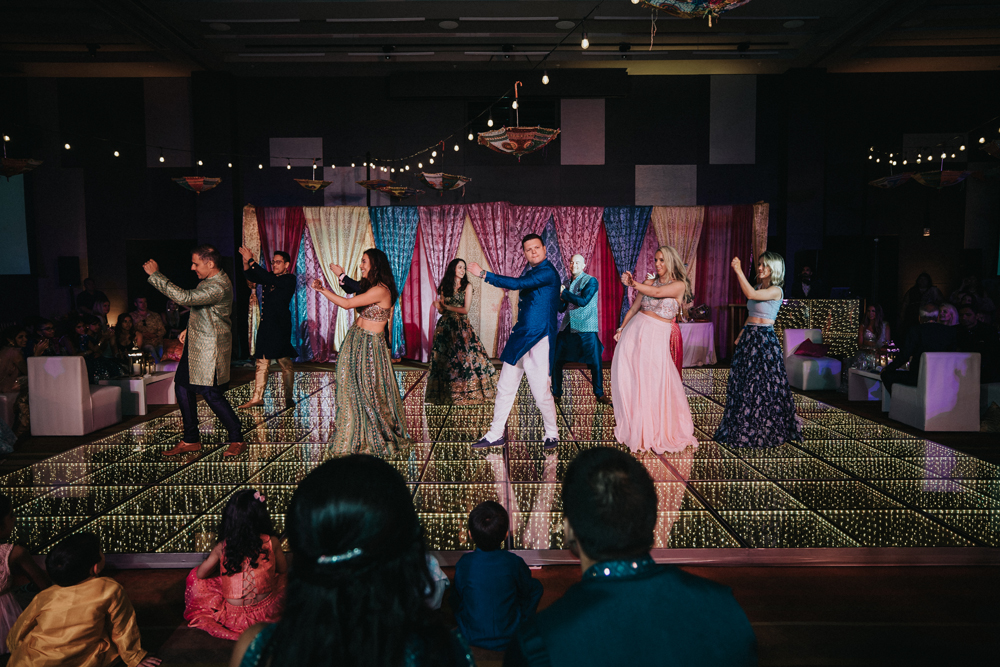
x: 168, y: 38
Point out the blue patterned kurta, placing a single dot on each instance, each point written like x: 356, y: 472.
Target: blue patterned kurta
x: 536, y: 310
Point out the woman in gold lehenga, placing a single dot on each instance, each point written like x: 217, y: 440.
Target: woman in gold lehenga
x: 369, y: 411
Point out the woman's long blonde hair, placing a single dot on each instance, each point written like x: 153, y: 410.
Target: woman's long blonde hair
x: 676, y: 269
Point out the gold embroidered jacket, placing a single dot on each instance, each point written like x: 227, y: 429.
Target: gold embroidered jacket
x: 210, y: 330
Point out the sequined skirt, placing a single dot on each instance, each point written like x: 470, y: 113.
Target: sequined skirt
x: 369, y: 416
x: 461, y: 371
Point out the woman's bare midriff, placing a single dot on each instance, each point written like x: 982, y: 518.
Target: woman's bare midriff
x: 246, y: 602
x: 371, y: 325
x: 759, y: 320
x: 657, y: 317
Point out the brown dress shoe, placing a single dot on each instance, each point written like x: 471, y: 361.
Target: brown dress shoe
x: 604, y: 400
x: 235, y: 449
x: 183, y: 448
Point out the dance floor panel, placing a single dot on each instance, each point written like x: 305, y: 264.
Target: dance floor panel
x: 853, y: 488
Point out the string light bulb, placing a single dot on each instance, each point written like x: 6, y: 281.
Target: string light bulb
x: 117, y: 154
x: 162, y: 159
x: 584, y: 43
x: 489, y: 121
x: 952, y: 156
x: 200, y: 163
x: 962, y: 147
x: 944, y: 155
x: 918, y: 160
x: 6, y: 137
x: 407, y: 167
x: 260, y: 166
x: 431, y: 160
x: 878, y: 159
x: 545, y: 77
x: 434, y: 153
x: 66, y: 146
x: 393, y: 170
x: 230, y: 165
x: 904, y: 161
x: 333, y: 166
x: 470, y: 136
x: 982, y: 140
x: 514, y: 105
x: 352, y: 164
x: 289, y: 165
x: 420, y: 165
x: 456, y: 148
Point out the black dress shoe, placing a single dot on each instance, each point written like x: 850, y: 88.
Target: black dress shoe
x: 550, y: 443
x: 484, y: 443
x: 557, y: 398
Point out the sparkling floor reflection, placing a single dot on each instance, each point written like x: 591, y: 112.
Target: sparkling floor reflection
x: 852, y: 483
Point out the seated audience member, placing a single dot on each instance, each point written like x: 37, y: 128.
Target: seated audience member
x: 105, y: 308
x: 126, y: 337
x: 974, y: 336
x: 90, y: 295
x: 102, y: 364
x: 242, y: 582
x: 15, y: 561
x: 14, y: 373
x: 922, y: 293
x: 45, y: 333
x: 150, y: 325
x: 83, y: 620
x: 494, y: 591
x: 627, y: 610
x: 357, y: 585
x: 948, y: 315
x: 807, y: 286
x: 175, y: 319
x: 928, y: 336
x: 971, y: 291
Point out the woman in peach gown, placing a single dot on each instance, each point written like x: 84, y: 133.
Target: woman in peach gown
x: 651, y: 410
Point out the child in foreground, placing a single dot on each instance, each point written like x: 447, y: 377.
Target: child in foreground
x: 14, y: 560
x: 494, y: 590
x: 84, y: 620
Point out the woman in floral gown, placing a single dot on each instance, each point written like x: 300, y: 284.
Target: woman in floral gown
x: 461, y: 371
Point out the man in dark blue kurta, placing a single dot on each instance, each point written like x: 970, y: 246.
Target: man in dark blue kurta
x: 578, y: 339
x: 627, y: 610
x: 531, y: 348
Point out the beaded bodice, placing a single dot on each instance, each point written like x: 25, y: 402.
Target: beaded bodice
x: 872, y: 341
x: 666, y: 308
x: 375, y: 313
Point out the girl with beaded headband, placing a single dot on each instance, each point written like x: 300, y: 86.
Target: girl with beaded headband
x: 242, y: 582
x: 358, y: 585
x: 369, y: 411
x: 759, y: 409
x: 651, y: 410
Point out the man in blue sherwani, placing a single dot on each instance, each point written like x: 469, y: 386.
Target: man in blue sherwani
x: 531, y: 348
x: 578, y: 339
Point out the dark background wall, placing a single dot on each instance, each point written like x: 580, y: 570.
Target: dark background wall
x: 813, y: 132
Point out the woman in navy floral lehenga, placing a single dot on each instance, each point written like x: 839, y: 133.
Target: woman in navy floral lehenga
x: 759, y: 410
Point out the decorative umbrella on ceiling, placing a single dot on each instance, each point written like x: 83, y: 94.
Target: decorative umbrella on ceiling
x: 517, y: 140
x: 197, y: 184
x: 694, y: 9
x: 941, y: 179
x: 314, y: 186
x: 893, y: 181
x: 444, y: 182
x: 377, y: 184
x: 14, y: 166
x: 992, y: 147
x: 400, y: 192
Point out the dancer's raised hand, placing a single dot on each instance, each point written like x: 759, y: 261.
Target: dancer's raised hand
x: 627, y: 279
x: 737, y: 267
x: 247, y: 255
x: 317, y: 284
x: 337, y: 269
x: 475, y: 269
x: 150, y: 267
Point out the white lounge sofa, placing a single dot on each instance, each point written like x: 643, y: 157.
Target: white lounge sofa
x: 809, y: 373
x: 946, y: 397
x: 63, y: 402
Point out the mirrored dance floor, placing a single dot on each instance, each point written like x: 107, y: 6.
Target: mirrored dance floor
x: 851, y: 484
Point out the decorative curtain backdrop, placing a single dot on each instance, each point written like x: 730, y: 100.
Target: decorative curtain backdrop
x: 440, y: 231
x: 280, y: 229
x: 415, y: 305
x: 609, y: 294
x: 626, y: 228
x: 340, y: 235
x: 741, y: 244
x: 577, y: 227
x: 395, y: 232
x: 251, y: 241
x: 485, y: 311
x: 761, y: 215
x: 680, y: 227
x: 646, y: 262
x: 299, y: 304
x: 319, y: 326
x: 500, y: 228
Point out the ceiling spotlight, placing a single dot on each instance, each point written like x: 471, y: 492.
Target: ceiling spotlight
x: 200, y: 163
x: 117, y: 154
x: 434, y: 153
x: 456, y: 147
x: 584, y: 43
x: 545, y: 77
x: 66, y: 146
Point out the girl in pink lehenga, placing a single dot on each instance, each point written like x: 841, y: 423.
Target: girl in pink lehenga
x: 250, y: 585
x: 14, y: 560
x: 651, y: 410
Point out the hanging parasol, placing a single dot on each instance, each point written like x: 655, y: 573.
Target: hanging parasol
x: 197, y: 184
x: 695, y: 9
x: 992, y: 147
x: 517, y: 140
x: 400, y: 192
x: 444, y: 182
x: 314, y: 186
x: 377, y: 184
x: 941, y: 179
x: 15, y: 166
x: 893, y: 181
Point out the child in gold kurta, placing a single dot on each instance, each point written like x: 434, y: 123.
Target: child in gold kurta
x: 83, y: 620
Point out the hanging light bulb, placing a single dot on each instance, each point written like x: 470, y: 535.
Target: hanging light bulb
x: 890, y: 154
x: 66, y: 146
x: 982, y: 140
x: 545, y: 77
x: 878, y: 159
x: 352, y: 164
x: 871, y: 149
x: 962, y: 147
x: 943, y: 156
x: 514, y: 105
x: 869, y: 157
x: 470, y: 136
x: 260, y: 166
x: 420, y: 165
x: 200, y: 163
x: 584, y: 43
x: 456, y: 148
x: 393, y: 170
x: 431, y: 160
x: 434, y: 153
x: 407, y: 167
x: 333, y: 166
x: 289, y: 165
x: 230, y: 165
x: 952, y: 156
x: 6, y: 138
x: 904, y: 161
x: 116, y: 154
x: 918, y: 160
x: 162, y: 159
x: 489, y: 121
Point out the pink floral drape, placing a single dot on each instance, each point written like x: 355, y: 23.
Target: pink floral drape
x: 280, y: 229
x: 577, y: 228
x: 680, y: 227
x: 646, y: 261
x: 321, y: 324
x: 440, y: 231
x: 500, y: 227
x: 714, y: 256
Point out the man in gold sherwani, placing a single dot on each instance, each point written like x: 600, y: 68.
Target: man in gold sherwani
x: 208, y: 347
